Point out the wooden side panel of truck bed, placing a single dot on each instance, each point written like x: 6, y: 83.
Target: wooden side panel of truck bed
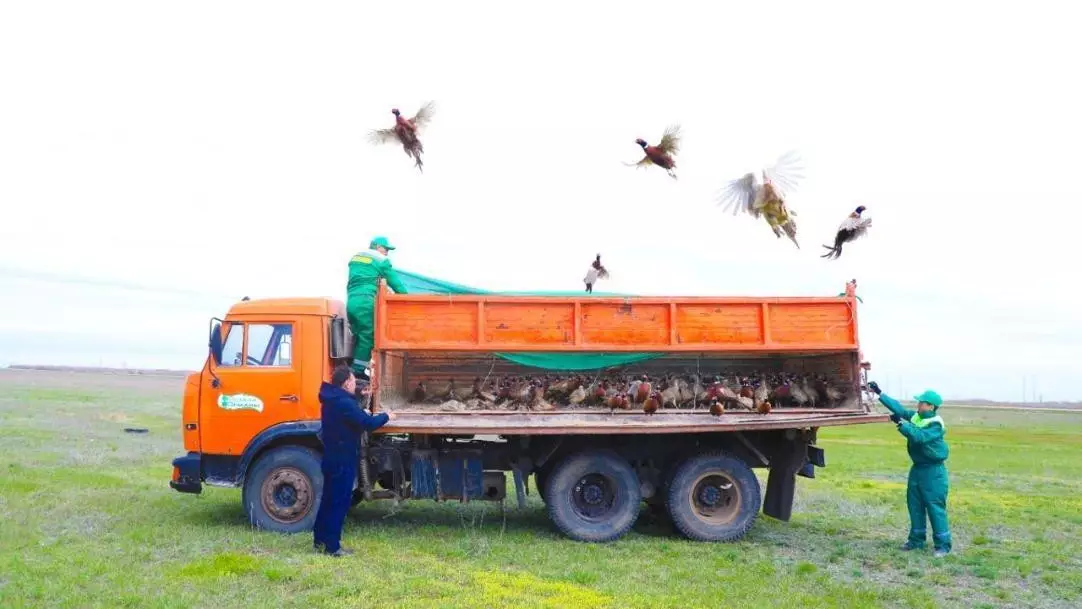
x: 517, y: 323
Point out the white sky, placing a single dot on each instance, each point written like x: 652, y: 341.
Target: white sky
x: 199, y: 152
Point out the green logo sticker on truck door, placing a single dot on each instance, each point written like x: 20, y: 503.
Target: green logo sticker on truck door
x: 240, y: 401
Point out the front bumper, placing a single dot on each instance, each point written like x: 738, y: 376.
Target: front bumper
x: 187, y: 475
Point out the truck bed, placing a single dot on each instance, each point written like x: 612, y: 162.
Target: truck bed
x: 436, y: 339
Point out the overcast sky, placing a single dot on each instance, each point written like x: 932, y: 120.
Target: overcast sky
x: 160, y: 160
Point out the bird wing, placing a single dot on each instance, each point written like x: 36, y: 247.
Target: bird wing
x: 423, y: 116
x: 785, y: 173
x: 382, y: 136
x: 850, y: 223
x: 739, y: 195
x: 670, y: 141
x: 643, y: 163
x: 855, y: 226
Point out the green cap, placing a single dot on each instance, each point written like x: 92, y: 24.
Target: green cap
x: 381, y: 241
x: 931, y: 397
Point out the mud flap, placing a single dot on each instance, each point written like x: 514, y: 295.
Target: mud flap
x: 788, y: 458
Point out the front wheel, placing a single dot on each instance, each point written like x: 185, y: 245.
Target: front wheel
x: 713, y: 497
x: 593, y: 496
x: 283, y: 489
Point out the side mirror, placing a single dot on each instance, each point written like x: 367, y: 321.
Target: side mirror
x: 215, y: 343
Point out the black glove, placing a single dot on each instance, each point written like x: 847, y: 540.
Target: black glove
x: 874, y: 388
x: 897, y: 420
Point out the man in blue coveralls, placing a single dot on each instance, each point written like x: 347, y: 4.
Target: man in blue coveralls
x: 926, y: 493
x: 342, y: 423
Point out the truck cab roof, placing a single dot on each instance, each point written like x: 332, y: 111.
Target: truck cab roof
x: 325, y: 307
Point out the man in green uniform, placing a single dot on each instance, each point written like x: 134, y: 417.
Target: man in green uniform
x: 365, y: 270
x: 926, y: 492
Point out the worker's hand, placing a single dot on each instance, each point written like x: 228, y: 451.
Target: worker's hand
x: 874, y: 388
x: 391, y: 416
x: 895, y: 419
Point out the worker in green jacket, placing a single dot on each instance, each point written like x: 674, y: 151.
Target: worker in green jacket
x: 365, y: 270
x: 926, y: 493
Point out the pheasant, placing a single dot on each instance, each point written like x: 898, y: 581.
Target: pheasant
x: 405, y: 131
x: 596, y: 271
x: 766, y: 198
x: 662, y: 154
x: 852, y: 228
x: 716, y: 407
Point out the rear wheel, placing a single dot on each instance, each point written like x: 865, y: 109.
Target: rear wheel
x: 593, y: 496
x: 282, y: 490
x: 713, y: 497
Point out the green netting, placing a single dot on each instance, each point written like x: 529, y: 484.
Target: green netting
x: 419, y: 284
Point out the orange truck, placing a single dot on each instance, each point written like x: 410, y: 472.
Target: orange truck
x: 251, y: 417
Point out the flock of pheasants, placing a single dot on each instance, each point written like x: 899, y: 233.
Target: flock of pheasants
x: 763, y: 198
x: 757, y: 392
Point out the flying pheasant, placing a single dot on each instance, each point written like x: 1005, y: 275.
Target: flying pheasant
x: 767, y: 197
x: 595, y: 272
x: 852, y: 228
x: 662, y: 154
x: 405, y: 131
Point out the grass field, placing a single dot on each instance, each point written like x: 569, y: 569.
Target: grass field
x: 88, y: 520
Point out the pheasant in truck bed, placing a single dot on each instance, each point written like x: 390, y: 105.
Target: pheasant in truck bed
x: 745, y: 391
x: 670, y: 394
x: 405, y: 131
x: 716, y: 408
x: 618, y: 401
x: 662, y: 154
x: 652, y: 402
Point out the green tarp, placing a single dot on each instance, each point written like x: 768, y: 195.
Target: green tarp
x: 419, y: 284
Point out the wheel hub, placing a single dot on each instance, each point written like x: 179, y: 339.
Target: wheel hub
x: 593, y: 497
x: 715, y: 499
x: 710, y: 495
x: 286, y: 495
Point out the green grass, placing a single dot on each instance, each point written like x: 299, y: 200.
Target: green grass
x: 88, y: 520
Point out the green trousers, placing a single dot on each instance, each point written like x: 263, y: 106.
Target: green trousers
x: 360, y: 311
x: 926, y: 495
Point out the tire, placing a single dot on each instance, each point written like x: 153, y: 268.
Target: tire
x: 283, y: 490
x: 713, y: 497
x: 593, y: 496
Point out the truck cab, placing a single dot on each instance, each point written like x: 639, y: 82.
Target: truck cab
x: 258, y: 391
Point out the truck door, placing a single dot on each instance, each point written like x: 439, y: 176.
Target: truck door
x: 257, y: 384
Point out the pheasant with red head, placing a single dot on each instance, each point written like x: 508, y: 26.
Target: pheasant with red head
x: 662, y: 154
x: 405, y: 132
